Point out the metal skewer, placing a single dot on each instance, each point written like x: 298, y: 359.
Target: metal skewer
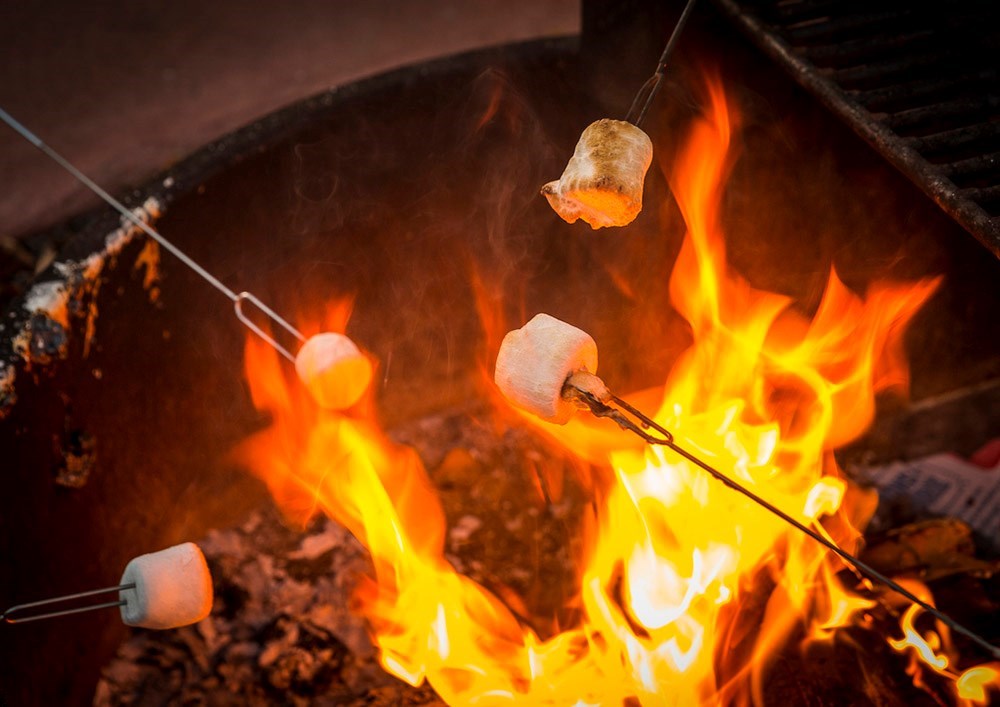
x: 622, y: 413
x: 22, y: 608
x: 644, y: 98
x: 236, y: 298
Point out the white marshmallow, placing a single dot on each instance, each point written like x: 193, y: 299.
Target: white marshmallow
x: 602, y: 184
x: 173, y: 588
x: 334, y: 370
x: 535, y: 361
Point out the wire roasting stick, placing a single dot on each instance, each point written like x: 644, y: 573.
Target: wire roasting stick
x: 644, y: 98
x: 545, y: 368
x: 13, y: 615
x: 329, y: 364
x: 236, y: 298
x: 165, y: 589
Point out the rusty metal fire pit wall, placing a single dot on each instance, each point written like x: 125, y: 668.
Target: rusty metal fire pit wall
x: 120, y: 416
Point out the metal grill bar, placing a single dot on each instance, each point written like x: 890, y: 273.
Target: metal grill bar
x: 954, y: 139
x: 826, y: 27
x: 951, y: 111
x: 920, y: 83
x: 791, y: 12
x: 866, y: 49
x: 973, y: 166
x: 884, y: 71
x: 922, y: 91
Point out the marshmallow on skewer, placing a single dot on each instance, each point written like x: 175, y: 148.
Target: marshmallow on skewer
x: 173, y: 588
x: 602, y: 184
x: 334, y: 370
x: 535, y: 361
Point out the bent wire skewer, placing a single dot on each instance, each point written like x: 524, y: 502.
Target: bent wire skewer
x: 22, y: 608
x: 621, y: 413
x: 236, y: 298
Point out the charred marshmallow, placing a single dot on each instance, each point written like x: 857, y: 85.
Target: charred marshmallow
x: 334, y: 370
x: 535, y: 361
x: 602, y: 183
x: 173, y: 588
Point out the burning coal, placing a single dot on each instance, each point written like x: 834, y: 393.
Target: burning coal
x: 685, y: 589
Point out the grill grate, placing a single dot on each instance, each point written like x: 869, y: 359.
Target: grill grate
x: 919, y: 81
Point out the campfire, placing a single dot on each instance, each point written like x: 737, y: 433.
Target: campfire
x: 420, y: 539
x: 682, y: 591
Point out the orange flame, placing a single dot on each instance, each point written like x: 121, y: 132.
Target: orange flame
x: 971, y: 685
x: 932, y: 650
x: 764, y: 392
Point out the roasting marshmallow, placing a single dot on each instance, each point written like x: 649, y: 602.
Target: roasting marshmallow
x: 334, y: 370
x: 586, y: 382
x: 535, y: 361
x: 173, y: 588
x: 602, y: 183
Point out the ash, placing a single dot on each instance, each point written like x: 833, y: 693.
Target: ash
x: 281, y: 629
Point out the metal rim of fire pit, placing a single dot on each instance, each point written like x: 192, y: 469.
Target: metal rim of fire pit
x: 885, y: 43
x: 105, y: 231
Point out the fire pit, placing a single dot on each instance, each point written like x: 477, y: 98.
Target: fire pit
x: 415, y: 193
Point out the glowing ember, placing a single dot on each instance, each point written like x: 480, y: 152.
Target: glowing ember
x: 763, y: 393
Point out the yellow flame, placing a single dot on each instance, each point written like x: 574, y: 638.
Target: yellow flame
x: 926, y: 647
x: 971, y: 685
x: 763, y: 393
x: 932, y: 650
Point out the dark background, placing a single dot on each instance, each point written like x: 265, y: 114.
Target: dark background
x: 125, y: 88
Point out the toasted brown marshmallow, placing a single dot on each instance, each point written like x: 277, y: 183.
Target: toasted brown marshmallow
x: 602, y: 183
